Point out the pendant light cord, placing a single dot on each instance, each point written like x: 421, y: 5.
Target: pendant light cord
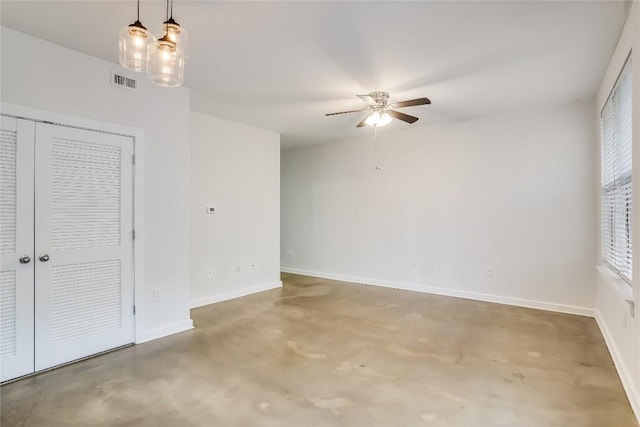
x: 138, y: 10
x: 171, y: 16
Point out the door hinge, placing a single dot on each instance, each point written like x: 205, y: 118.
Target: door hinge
x: 133, y: 159
x: 133, y: 234
x: 134, y: 310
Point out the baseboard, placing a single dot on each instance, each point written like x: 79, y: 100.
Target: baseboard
x: 621, y: 367
x: 234, y: 294
x: 173, y: 328
x: 476, y: 296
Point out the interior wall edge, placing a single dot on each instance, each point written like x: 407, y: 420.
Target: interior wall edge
x: 456, y: 293
x: 621, y: 366
x: 235, y: 169
x: 225, y: 296
x: 164, y: 331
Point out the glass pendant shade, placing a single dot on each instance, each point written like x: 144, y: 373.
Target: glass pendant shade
x: 134, y: 41
x: 176, y: 34
x: 377, y: 119
x: 165, y: 63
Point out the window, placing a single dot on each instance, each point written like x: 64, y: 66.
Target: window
x: 615, y: 131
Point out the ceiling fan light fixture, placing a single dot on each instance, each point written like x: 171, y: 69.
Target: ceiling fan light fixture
x: 378, y: 119
x: 381, y: 112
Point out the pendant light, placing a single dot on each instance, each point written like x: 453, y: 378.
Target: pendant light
x: 176, y: 33
x: 134, y: 41
x: 166, y: 58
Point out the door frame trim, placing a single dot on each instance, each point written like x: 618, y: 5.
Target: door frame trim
x: 137, y: 134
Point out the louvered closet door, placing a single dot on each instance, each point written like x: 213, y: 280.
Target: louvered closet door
x: 83, y: 245
x: 16, y: 234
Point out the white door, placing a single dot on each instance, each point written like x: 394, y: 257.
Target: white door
x: 16, y: 247
x: 83, y: 243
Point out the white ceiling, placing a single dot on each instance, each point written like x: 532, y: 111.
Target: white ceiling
x: 282, y: 65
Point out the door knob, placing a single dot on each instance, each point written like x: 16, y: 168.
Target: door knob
x: 44, y: 258
x: 25, y: 259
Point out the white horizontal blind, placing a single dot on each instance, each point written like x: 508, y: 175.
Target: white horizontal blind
x: 616, y: 125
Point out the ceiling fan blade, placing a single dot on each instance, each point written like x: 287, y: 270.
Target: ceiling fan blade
x: 402, y: 116
x: 345, y: 112
x: 411, y: 102
x: 368, y: 99
x: 363, y: 122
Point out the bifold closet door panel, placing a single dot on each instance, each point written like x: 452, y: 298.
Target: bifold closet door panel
x: 83, y: 243
x: 16, y: 247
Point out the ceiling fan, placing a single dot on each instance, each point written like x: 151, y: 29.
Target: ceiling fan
x: 381, y: 111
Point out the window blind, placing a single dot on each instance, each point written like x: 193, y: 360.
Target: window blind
x: 615, y: 128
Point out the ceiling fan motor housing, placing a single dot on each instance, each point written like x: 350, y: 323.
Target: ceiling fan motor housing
x: 381, y: 98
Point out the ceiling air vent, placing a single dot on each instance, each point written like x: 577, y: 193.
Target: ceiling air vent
x: 123, y: 81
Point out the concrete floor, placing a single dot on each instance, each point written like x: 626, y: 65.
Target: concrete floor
x: 326, y: 353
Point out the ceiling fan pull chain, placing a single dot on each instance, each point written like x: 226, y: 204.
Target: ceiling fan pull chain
x: 377, y: 141
x: 375, y: 130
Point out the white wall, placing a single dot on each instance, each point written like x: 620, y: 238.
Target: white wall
x: 42, y: 75
x: 513, y: 193
x: 236, y: 168
x: 614, y: 315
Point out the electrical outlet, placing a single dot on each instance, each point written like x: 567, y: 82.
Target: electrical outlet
x: 210, y: 273
x: 439, y: 267
x: 253, y: 266
x: 414, y: 265
x: 290, y: 253
x: 156, y: 294
x: 489, y: 271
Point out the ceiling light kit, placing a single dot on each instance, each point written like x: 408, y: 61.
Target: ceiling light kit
x: 163, y: 59
x: 381, y: 112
